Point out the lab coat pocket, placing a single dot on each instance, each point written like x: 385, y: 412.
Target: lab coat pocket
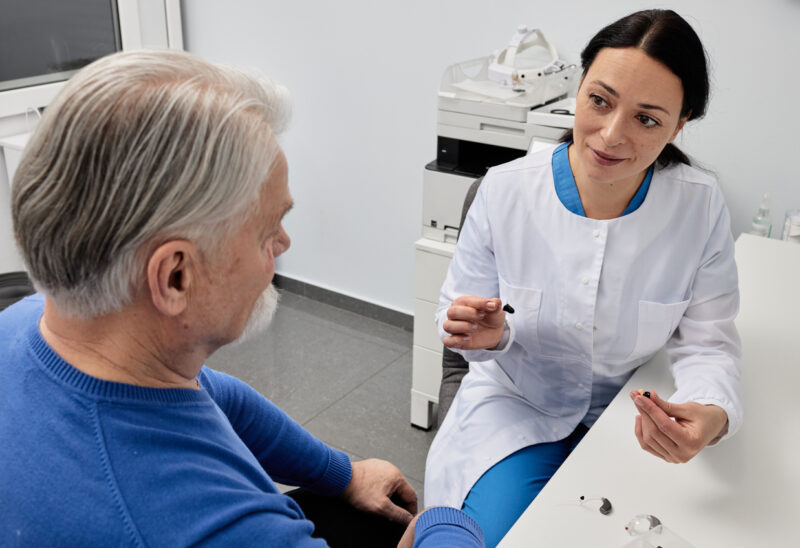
x: 655, y: 325
x: 526, y: 303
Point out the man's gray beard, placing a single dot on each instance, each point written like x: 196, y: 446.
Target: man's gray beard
x: 262, y: 314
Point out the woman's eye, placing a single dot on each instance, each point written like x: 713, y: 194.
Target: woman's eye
x: 597, y: 100
x: 647, y: 121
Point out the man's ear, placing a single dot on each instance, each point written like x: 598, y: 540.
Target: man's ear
x: 171, y: 271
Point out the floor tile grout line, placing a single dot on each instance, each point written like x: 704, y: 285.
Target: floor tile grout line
x: 366, y: 316
x: 345, y: 450
x: 357, y: 457
x: 355, y: 333
x: 355, y: 387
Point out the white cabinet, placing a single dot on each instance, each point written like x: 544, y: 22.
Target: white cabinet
x: 12, y: 147
x: 10, y: 153
x: 431, y: 260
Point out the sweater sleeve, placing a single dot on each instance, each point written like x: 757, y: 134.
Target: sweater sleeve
x: 286, y: 450
x: 443, y: 526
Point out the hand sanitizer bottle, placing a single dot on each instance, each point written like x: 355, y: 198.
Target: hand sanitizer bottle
x: 762, y: 222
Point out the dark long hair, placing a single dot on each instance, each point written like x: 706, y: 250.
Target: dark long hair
x: 668, y: 38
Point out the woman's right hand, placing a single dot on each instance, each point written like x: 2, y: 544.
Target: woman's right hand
x: 474, y: 323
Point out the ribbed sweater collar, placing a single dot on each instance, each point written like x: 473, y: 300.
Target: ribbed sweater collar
x: 66, y: 374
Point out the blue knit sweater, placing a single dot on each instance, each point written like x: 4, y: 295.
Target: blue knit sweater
x: 86, y: 462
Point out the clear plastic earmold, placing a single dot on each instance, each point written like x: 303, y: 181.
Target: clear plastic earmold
x: 641, y: 524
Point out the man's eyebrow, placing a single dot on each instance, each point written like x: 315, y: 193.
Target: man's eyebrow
x: 273, y: 224
x: 613, y: 92
x: 287, y: 208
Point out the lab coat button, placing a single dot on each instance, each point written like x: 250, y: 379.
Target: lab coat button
x: 596, y: 233
x: 585, y: 280
x: 579, y: 325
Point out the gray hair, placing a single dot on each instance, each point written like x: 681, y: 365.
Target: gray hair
x: 140, y: 148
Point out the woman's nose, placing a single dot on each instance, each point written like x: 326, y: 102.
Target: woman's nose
x: 613, y: 132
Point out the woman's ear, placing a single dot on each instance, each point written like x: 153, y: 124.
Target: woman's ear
x: 171, y: 271
x: 681, y: 123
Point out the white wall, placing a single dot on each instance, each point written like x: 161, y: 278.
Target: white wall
x: 364, y: 76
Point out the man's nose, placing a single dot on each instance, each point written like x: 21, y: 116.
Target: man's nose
x: 282, y: 242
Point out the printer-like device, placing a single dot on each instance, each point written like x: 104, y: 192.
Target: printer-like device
x: 492, y: 110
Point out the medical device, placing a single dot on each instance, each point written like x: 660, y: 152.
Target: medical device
x: 492, y: 110
x: 605, y: 506
x: 502, y: 66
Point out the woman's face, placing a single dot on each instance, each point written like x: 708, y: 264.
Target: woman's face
x: 628, y: 109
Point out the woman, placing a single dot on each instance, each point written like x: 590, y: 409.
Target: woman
x: 607, y: 247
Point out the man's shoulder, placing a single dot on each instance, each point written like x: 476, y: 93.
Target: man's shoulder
x: 20, y: 315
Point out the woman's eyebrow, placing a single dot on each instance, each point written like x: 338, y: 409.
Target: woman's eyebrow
x: 608, y: 88
x: 613, y: 92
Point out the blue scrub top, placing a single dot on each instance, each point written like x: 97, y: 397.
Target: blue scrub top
x: 567, y: 190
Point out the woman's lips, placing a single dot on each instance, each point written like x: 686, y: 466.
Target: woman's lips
x: 605, y: 159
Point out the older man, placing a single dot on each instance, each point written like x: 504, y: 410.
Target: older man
x: 149, y: 209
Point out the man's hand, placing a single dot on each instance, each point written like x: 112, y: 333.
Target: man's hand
x: 377, y: 486
x: 408, y: 537
x: 474, y: 323
x: 679, y: 440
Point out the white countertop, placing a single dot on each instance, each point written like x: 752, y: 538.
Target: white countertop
x: 744, y: 492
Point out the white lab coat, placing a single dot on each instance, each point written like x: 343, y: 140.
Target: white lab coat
x: 593, y: 300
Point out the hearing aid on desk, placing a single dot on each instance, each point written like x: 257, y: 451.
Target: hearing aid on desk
x: 605, y: 507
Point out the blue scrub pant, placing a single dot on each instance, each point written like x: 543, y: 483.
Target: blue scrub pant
x: 504, y: 491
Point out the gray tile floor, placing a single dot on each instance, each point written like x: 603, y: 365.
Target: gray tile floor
x: 344, y: 377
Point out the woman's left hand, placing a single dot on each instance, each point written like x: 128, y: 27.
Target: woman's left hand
x: 694, y: 426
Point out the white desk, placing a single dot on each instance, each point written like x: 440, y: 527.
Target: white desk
x: 744, y: 492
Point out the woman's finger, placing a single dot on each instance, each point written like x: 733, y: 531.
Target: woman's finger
x: 465, y: 313
x: 657, y: 441
x: 662, y: 421
x: 459, y: 327
x: 640, y: 438
x: 484, y: 304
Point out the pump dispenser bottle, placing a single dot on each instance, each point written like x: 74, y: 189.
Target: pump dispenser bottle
x: 762, y: 222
